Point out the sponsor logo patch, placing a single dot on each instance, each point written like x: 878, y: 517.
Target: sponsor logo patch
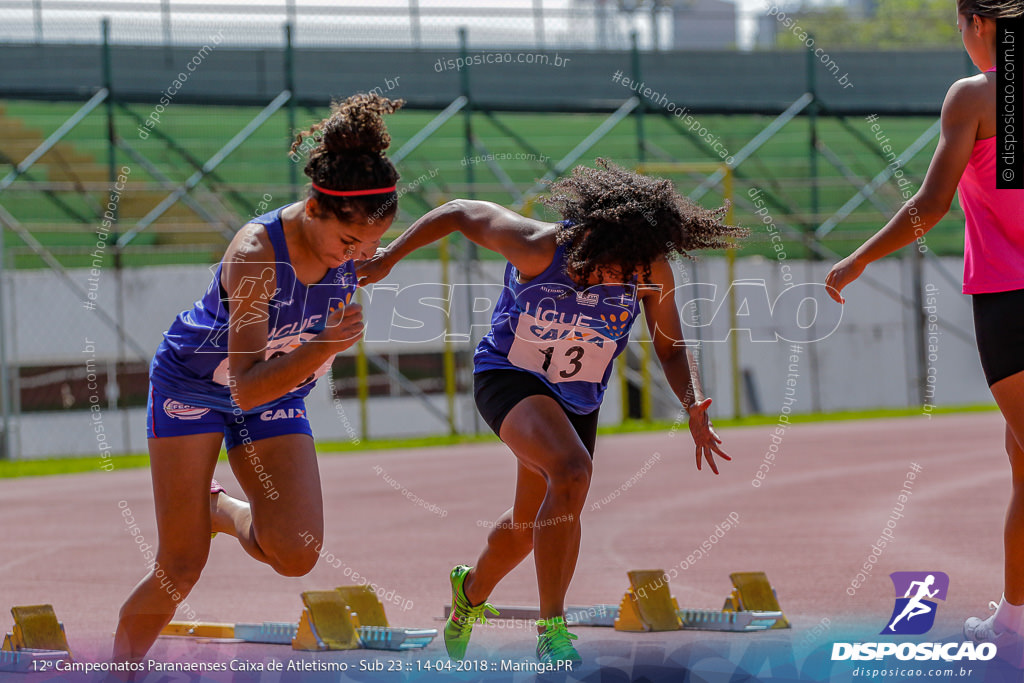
x: 282, y: 414
x: 183, y: 411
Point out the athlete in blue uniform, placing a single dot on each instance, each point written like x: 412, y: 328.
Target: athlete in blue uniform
x: 572, y: 292
x: 235, y: 368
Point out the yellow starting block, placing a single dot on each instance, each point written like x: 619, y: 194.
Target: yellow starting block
x: 327, y: 623
x: 754, y: 593
x: 36, y: 628
x: 36, y: 636
x: 648, y: 605
x: 346, y: 618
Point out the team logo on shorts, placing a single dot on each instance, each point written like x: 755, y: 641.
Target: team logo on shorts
x: 183, y: 411
x: 914, y: 612
x: 282, y: 414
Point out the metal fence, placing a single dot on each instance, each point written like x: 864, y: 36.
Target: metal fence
x: 820, y: 172
x: 540, y: 24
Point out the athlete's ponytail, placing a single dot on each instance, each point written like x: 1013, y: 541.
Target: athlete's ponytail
x: 991, y: 9
x: 349, y: 155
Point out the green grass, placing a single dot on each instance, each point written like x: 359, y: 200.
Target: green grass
x: 261, y: 166
x: 75, y: 465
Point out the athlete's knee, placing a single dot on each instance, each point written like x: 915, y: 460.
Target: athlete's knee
x: 288, y: 559
x: 572, y: 477
x: 293, y: 565
x: 292, y: 551
x: 179, y: 574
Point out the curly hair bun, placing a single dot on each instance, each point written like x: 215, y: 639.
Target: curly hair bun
x: 357, y: 124
x: 346, y: 152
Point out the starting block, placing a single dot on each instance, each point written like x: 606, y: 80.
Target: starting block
x: 648, y: 606
x: 753, y: 592
x: 327, y: 623
x: 346, y: 618
x: 37, y: 636
x: 188, y: 629
x: 370, y: 637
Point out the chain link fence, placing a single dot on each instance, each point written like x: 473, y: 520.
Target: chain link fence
x: 540, y: 24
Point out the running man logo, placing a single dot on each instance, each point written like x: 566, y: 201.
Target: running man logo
x: 914, y: 613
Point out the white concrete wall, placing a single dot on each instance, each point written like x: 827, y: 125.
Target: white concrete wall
x: 867, y: 362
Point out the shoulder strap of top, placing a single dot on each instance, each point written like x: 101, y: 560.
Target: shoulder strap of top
x: 275, y: 232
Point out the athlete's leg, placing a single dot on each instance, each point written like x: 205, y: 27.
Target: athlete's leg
x: 1009, y: 395
x: 542, y: 437
x: 285, y: 524
x: 511, y: 540
x: 182, y: 467
x: 233, y: 516
x: 586, y: 428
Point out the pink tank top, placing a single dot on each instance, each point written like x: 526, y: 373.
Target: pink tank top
x: 994, y: 234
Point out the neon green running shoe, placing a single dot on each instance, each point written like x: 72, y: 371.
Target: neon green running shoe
x: 460, y: 622
x: 555, y: 644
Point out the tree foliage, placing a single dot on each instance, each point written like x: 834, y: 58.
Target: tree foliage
x: 895, y: 24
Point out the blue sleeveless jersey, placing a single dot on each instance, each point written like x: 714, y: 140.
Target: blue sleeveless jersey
x: 191, y: 363
x: 565, y: 336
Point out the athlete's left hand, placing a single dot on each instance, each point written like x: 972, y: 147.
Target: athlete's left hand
x: 374, y: 269
x: 704, y: 435
x: 842, y: 274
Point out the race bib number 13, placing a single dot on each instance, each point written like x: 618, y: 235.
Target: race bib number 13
x: 562, y: 353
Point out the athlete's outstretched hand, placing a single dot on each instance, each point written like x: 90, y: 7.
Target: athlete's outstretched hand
x: 704, y: 435
x: 344, y: 327
x: 842, y: 274
x: 374, y: 269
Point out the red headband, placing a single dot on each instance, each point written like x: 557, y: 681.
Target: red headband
x: 353, y: 193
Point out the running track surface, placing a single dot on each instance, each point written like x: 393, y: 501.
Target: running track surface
x: 810, y: 526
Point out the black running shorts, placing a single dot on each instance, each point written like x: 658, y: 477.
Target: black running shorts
x: 999, y: 330
x: 498, y: 391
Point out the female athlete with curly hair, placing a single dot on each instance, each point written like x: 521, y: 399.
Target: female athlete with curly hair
x: 235, y: 369
x: 572, y: 292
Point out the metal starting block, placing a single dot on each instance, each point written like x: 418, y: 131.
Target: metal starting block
x: 29, y: 660
x: 188, y: 629
x: 714, y: 620
x: 346, y: 618
x: 370, y: 637
x: 753, y: 592
x: 350, y: 617
x: 36, y: 637
x: 648, y: 605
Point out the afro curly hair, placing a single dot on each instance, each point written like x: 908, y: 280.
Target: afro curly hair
x: 624, y: 220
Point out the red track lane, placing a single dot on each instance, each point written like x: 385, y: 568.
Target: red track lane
x: 810, y: 526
